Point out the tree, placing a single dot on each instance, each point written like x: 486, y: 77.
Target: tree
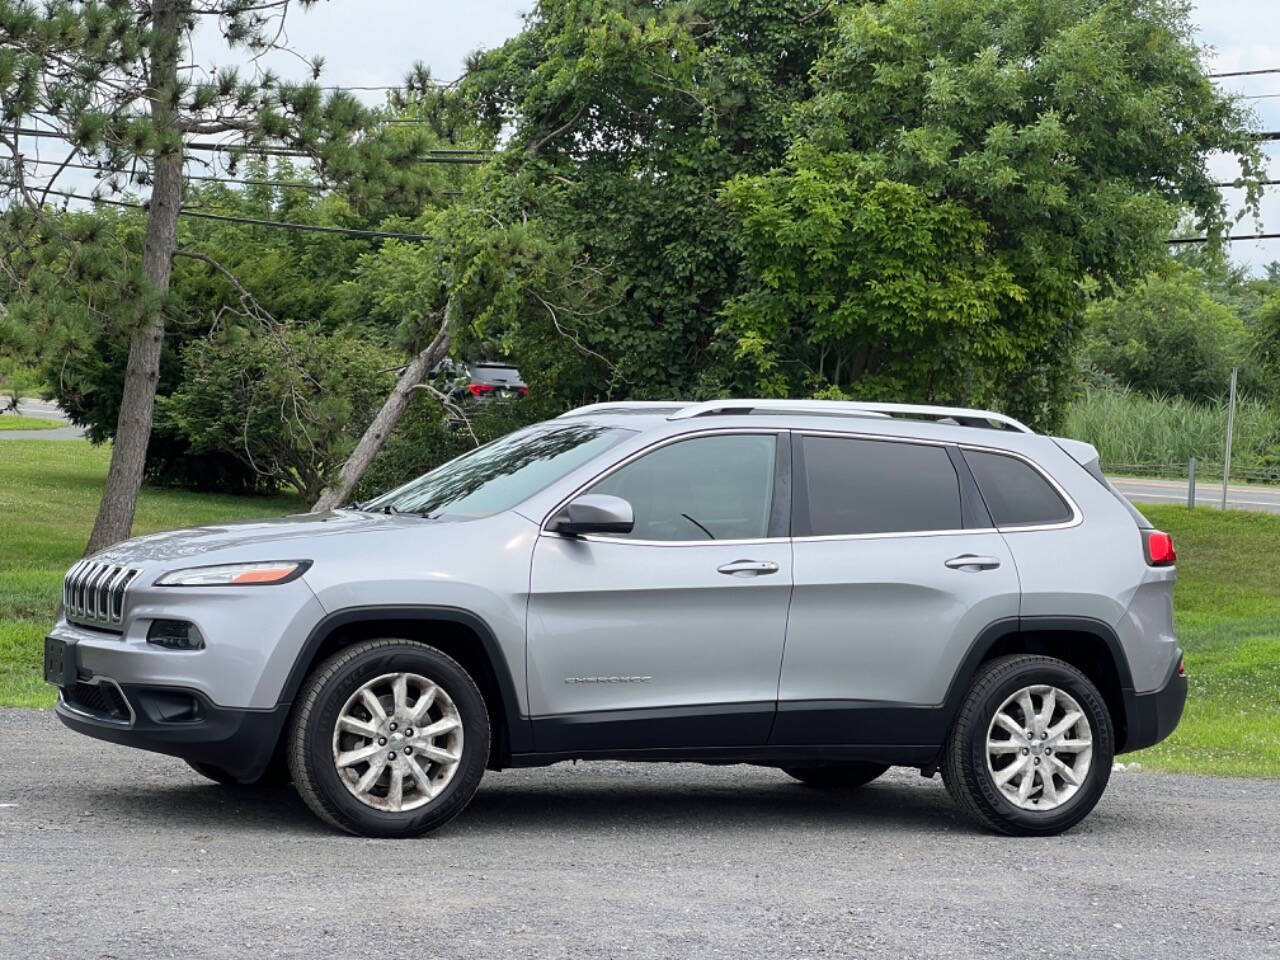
x: 996, y: 162
x: 1168, y: 336
x: 288, y: 404
x: 1265, y: 352
x: 112, y: 80
x: 624, y: 120
x: 480, y: 279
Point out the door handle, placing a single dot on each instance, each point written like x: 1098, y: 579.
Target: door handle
x: 968, y: 561
x: 748, y: 568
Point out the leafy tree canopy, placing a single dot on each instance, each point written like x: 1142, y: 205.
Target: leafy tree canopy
x: 1168, y: 336
x: 1035, y: 151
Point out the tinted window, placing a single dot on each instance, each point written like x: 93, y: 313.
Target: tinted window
x: 1016, y: 493
x: 707, y: 488
x: 878, y: 486
x: 499, y: 475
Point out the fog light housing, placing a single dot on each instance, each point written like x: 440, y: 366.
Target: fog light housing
x: 175, y: 635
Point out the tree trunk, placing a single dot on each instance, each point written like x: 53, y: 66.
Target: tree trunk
x: 376, y: 435
x: 137, y: 402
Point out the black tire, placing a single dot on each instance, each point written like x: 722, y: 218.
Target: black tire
x: 837, y: 776
x: 310, y: 747
x: 965, y: 769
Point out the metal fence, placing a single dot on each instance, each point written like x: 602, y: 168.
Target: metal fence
x: 1206, y: 472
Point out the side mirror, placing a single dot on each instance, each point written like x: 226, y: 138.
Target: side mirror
x: 594, y: 513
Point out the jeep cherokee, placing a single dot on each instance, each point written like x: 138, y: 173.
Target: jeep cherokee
x: 829, y: 588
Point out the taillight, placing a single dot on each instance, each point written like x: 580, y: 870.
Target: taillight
x: 1159, y: 548
x: 479, y: 389
x: 523, y: 391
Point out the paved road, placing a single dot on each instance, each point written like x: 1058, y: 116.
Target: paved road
x: 106, y: 852
x: 1208, y: 494
x: 44, y: 410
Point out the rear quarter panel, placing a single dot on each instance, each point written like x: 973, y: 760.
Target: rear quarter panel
x: 1095, y: 569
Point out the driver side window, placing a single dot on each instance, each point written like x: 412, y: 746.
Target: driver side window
x: 705, y: 488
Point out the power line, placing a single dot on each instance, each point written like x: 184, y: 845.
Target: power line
x: 254, y: 221
x: 1243, y: 73
x: 1246, y: 236
x: 433, y: 155
x: 293, y: 184
x: 248, y: 182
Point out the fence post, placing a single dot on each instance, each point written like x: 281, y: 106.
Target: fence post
x: 1231, y: 426
x: 1191, y: 484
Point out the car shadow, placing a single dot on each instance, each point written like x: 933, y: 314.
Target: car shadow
x: 708, y: 807
x: 522, y: 802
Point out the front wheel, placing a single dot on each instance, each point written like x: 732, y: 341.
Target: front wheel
x: 1031, y: 748
x: 390, y: 739
x: 831, y: 776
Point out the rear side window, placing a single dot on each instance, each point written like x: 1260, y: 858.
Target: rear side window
x: 879, y: 486
x: 1017, y: 494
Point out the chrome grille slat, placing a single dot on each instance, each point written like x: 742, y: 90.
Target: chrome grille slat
x: 95, y: 583
x: 105, y: 586
x: 94, y: 593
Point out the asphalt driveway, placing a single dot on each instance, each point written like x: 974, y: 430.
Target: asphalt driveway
x: 108, y: 852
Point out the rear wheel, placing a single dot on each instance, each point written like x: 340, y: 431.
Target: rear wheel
x: 832, y: 776
x: 390, y: 739
x: 1031, y: 748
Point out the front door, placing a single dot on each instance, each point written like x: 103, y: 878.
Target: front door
x: 897, y: 571
x: 671, y: 635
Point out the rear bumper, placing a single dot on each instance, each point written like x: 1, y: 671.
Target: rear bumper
x: 180, y: 722
x: 1150, y: 717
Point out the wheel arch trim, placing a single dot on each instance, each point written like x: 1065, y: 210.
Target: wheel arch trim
x: 518, y: 735
x: 999, y: 630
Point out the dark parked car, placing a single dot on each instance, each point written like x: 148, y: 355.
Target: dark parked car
x: 481, y: 382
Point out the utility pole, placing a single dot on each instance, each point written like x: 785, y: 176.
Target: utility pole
x: 1231, y: 426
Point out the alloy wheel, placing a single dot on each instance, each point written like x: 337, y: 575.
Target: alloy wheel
x: 1039, y: 747
x: 397, y: 742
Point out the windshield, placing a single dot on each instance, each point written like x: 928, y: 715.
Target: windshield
x: 499, y: 475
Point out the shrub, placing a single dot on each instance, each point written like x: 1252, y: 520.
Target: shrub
x: 1168, y: 336
x: 288, y: 405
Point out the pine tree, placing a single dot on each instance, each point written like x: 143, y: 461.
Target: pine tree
x: 115, y: 85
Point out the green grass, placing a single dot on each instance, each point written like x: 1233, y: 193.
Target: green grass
x: 49, y: 492
x: 1227, y: 598
x: 11, y: 421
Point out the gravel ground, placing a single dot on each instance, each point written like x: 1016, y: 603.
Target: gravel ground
x: 109, y: 852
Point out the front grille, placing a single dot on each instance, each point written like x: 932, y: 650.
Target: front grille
x: 93, y: 593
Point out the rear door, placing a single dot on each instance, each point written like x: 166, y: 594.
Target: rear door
x: 670, y: 636
x: 897, y: 570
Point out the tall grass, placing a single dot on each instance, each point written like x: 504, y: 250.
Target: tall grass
x: 1162, y: 433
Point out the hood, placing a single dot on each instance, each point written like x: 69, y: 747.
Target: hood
x: 281, y: 537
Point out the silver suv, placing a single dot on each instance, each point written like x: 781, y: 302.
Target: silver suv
x: 827, y: 588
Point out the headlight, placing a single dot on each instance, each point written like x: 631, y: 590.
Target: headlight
x: 235, y: 574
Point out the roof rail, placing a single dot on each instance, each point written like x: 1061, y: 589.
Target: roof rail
x: 624, y: 405
x: 963, y: 416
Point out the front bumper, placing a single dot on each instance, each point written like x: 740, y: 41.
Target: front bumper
x: 252, y: 635
x: 174, y: 720
x: 1150, y: 717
